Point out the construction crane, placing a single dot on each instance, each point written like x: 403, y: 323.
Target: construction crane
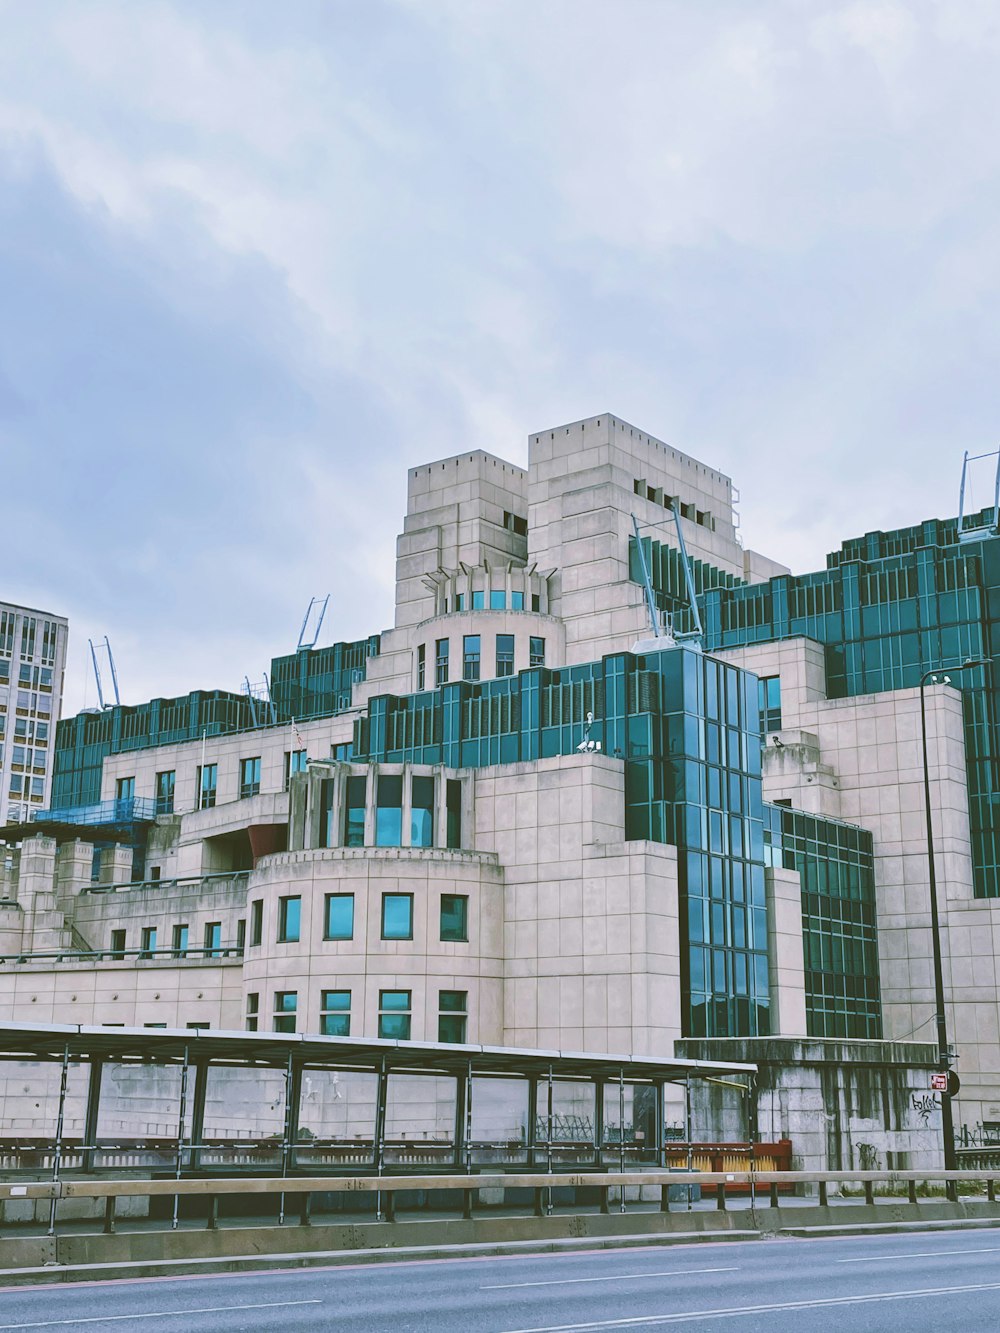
x: 104, y: 643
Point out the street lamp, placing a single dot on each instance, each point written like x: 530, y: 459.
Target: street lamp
x: 938, y: 676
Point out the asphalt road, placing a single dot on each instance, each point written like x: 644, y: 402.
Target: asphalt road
x: 941, y: 1281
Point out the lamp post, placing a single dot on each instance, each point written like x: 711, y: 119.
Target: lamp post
x: 938, y: 676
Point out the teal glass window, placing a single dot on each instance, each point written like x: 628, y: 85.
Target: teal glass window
x: 470, y: 657
x: 453, y: 1008
x: 505, y: 654
x: 769, y: 702
x: 339, y: 914
x: 389, y: 811
x: 213, y: 939
x: 207, y: 779
x: 459, y: 601
x: 296, y: 761
x: 250, y: 777
x: 453, y: 803
x: 148, y: 945
x: 125, y: 789
x: 517, y: 601
x: 454, y: 917
x: 422, y: 812
x: 397, y: 916
x: 289, y: 920
x: 441, y: 662
x: 180, y: 941
x: 478, y: 600
x: 536, y: 652
x: 286, y: 1004
x: 498, y: 600
x: 394, y: 1014
x: 335, y: 1013
x: 165, y: 792
x: 356, y: 797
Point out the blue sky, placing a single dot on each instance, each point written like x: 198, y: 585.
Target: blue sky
x: 258, y: 259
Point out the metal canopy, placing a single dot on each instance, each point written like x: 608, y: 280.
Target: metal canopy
x: 19, y: 1041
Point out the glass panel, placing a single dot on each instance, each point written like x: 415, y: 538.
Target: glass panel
x: 454, y: 917
x: 354, y: 812
x: 389, y: 812
x: 422, y: 818
x: 339, y: 916
x: 397, y: 916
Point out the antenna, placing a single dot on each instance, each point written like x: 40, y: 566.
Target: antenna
x: 104, y: 643
x: 661, y: 638
x: 976, y: 533
x: 311, y: 643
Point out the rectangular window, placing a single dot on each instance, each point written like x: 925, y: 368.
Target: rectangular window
x: 339, y: 923
x: 207, y: 784
x: 354, y: 812
x: 470, y: 657
x: 118, y: 946
x: 295, y: 762
x: 453, y: 1008
x: 180, y: 941
x: 536, y: 652
x: 505, y: 654
x: 441, y: 662
x: 498, y: 600
x: 397, y: 916
x: 335, y: 1013
x: 165, y: 792
x: 517, y: 601
x: 389, y: 812
x: 241, y: 935
x: 124, y: 789
x: 148, y: 944
x: 454, y: 917
x: 459, y: 602
x: 421, y: 665
x: 478, y: 600
x: 422, y: 813
x: 256, y: 922
x: 453, y: 804
x: 253, y: 1010
x: 536, y: 602
x: 394, y: 1014
x: 289, y: 920
x: 249, y: 777
x: 213, y: 939
x: 769, y: 700
x: 286, y: 1003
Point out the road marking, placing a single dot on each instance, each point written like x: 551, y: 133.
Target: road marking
x: 647, y: 1321
x: 920, y: 1254
x: 620, y: 1277
x: 161, y: 1314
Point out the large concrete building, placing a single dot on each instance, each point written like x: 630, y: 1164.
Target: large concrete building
x: 513, y: 819
x: 32, y: 665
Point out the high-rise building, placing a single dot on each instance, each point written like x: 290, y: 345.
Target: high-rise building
x: 32, y: 664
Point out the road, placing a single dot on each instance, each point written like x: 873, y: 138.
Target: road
x: 944, y: 1281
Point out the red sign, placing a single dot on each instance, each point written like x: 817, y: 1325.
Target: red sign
x: 939, y: 1082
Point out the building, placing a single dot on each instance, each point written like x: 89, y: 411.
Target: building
x: 516, y: 819
x: 32, y: 666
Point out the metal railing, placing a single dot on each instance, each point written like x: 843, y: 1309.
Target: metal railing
x: 219, y: 878
x: 122, y: 955
x: 128, y: 810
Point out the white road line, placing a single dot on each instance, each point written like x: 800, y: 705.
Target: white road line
x: 619, y: 1277
x: 647, y: 1321
x: 919, y: 1254
x: 161, y: 1314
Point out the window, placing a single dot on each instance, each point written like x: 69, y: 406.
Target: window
x: 389, y: 811
x: 453, y: 1007
x: 354, y: 812
x: 213, y: 939
x: 125, y: 789
x: 286, y: 1003
x: 536, y: 652
x: 505, y: 654
x: 536, y: 602
x: 207, y: 782
x: 249, y: 777
x: 339, y: 923
x: 335, y: 1013
x: 517, y: 601
x: 256, y: 922
x: 478, y: 600
x: 118, y: 946
x: 769, y: 700
x: 470, y: 657
x: 241, y: 934
x: 394, y: 1014
x: 397, y: 916
x: 289, y: 920
x: 155, y: 872
x: 148, y: 946
x: 422, y: 813
x: 165, y: 793
x: 453, y: 811
x: 199, y: 1027
x: 454, y: 917
x: 253, y: 1010
x: 295, y: 762
x: 180, y: 941
x: 498, y: 600
x: 421, y: 665
x: 441, y: 662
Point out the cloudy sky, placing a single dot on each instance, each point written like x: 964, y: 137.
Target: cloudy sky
x: 258, y: 258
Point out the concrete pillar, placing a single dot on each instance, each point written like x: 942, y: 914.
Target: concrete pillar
x: 786, y: 965
x: 74, y: 863
x: 116, y: 865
